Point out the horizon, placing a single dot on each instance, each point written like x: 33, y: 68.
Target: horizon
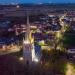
x: 34, y: 3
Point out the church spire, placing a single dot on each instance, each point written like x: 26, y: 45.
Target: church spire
x: 27, y: 28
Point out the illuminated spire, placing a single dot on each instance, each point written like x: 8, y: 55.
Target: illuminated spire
x: 28, y: 28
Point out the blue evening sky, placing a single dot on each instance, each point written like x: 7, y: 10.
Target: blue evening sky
x: 36, y: 1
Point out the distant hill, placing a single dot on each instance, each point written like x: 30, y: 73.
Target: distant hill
x: 68, y: 5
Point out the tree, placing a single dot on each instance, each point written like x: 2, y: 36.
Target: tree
x: 68, y: 39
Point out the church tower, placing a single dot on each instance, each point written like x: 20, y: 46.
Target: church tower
x: 28, y: 45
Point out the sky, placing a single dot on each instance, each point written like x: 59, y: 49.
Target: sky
x: 36, y: 1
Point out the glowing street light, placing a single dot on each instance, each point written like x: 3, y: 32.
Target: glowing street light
x: 36, y: 60
x: 21, y: 58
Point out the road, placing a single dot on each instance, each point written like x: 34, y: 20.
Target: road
x: 12, y: 50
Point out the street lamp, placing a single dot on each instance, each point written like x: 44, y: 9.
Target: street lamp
x: 36, y: 60
x: 21, y: 58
